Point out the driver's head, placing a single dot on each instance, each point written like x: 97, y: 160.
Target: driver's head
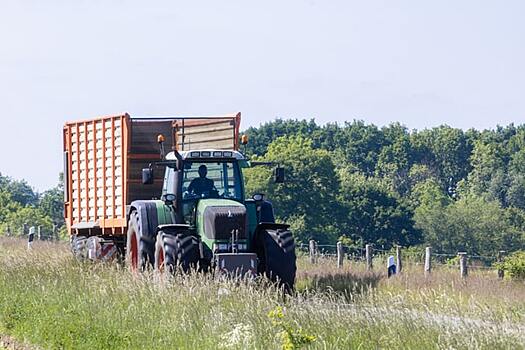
x: 203, y: 171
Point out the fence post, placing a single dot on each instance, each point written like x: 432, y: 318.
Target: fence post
x: 39, y: 232
x: 340, y: 254
x: 311, y: 248
x: 501, y: 272
x: 8, y: 231
x: 55, y: 234
x: 368, y: 255
x: 463, y: 264
x: 428, y: 264
x: 30, y: 237
x: 24, y: 229
x: 398, y: 259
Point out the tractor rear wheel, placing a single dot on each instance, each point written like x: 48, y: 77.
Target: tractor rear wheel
x: 276, y: 252
x: 140, y: 249
x: 176, y: 250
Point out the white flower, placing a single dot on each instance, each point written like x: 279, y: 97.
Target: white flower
x: 241, y: 336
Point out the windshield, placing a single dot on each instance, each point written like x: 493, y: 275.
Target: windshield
x: 208, y: 179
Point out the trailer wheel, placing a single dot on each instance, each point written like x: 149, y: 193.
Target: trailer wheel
x: 78, y: 246
x: 174, y: 251
x: 275, y: 250
x: 140, y: 251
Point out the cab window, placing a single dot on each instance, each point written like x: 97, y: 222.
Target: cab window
x: 205, y: 179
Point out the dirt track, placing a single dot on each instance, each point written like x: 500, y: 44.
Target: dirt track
x: 7, y: 342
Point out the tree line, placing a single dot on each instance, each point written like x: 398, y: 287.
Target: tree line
x: 360, y: 183
x: 20, y: 204
x: 356, y: 182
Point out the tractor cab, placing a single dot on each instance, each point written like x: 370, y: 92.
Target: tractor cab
x: 203, y: 175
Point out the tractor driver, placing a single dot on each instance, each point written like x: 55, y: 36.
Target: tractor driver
x: 202, y: 185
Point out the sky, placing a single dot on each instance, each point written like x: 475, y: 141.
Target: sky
x: 421, y: 63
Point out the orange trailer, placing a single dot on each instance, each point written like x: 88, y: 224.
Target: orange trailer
x: 103, y: 158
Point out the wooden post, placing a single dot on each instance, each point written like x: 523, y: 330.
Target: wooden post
x: 501, y: 272
x: 55, y: 233
x: 398, y: 259
x: 463, y: 264
x: 30, y: 237
x: 312, y: 249
x: 428, y: 264
x: 8, y: 231
x: 368, y: 255
x: 24, y: 229
x: 39, y: 232
x: 340, y: 255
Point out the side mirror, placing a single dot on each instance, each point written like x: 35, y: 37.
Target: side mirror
x: 147, y: 176
x: 279, y: 175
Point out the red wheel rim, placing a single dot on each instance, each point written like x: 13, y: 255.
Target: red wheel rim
x: 160, y: 260
x: 134, y: 253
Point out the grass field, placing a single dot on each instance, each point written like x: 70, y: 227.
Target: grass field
x: 50, y: 301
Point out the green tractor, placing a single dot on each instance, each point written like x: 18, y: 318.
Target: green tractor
x: 203, y: 221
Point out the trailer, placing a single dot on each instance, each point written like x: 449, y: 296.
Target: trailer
x: 103, y: 159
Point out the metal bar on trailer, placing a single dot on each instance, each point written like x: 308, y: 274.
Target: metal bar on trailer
x: 86, y: 167
x: 95, y: 187
x: 167, y: 118
x: 113, y: 169
x: 79, y: 202
x: 123, y: 162
x: 104, y: 165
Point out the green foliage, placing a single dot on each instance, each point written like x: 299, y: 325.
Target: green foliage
x: 472, y: 224
x: 20, y: 205
x: 373, y: 214
x: 52, y: 204
x: 514, y: 265
x: 445, y: 151
x: 440, y: 186
x: 262, y: 136
x: 308, y: 197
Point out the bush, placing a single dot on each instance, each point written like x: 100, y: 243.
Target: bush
x: 514, y: 265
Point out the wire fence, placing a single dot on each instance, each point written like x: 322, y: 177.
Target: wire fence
x: 424, y: 257
x: 33, y: 232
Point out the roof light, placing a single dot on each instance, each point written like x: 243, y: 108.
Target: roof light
x: 205, y: 154
x: 195, y: 154
x: 217, y: 154
x: 227, y: 154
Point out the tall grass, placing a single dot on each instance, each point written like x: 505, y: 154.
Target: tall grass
x: 49, y: 299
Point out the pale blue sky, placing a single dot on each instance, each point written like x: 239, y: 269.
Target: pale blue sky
x: 422, y: 63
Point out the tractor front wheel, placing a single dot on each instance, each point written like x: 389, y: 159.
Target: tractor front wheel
x: 276, y: 253
x: 176, y: 250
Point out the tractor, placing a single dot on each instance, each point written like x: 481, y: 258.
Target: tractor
x: 182, y: 211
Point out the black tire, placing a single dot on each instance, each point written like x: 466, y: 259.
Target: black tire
x: 275, y: 250
x: 140, y: 248
x: 78, y: 247
x: 176, y: 250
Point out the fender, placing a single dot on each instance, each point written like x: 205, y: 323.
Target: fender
x: 152, y: 213
x: 270, y: 227
x: 173, y: 228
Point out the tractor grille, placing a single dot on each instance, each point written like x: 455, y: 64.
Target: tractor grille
x: 219, y: 222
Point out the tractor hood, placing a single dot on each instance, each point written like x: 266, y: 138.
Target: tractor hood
x: 219, y: 218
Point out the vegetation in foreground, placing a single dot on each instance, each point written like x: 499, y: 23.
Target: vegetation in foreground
x: 50, y: 300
